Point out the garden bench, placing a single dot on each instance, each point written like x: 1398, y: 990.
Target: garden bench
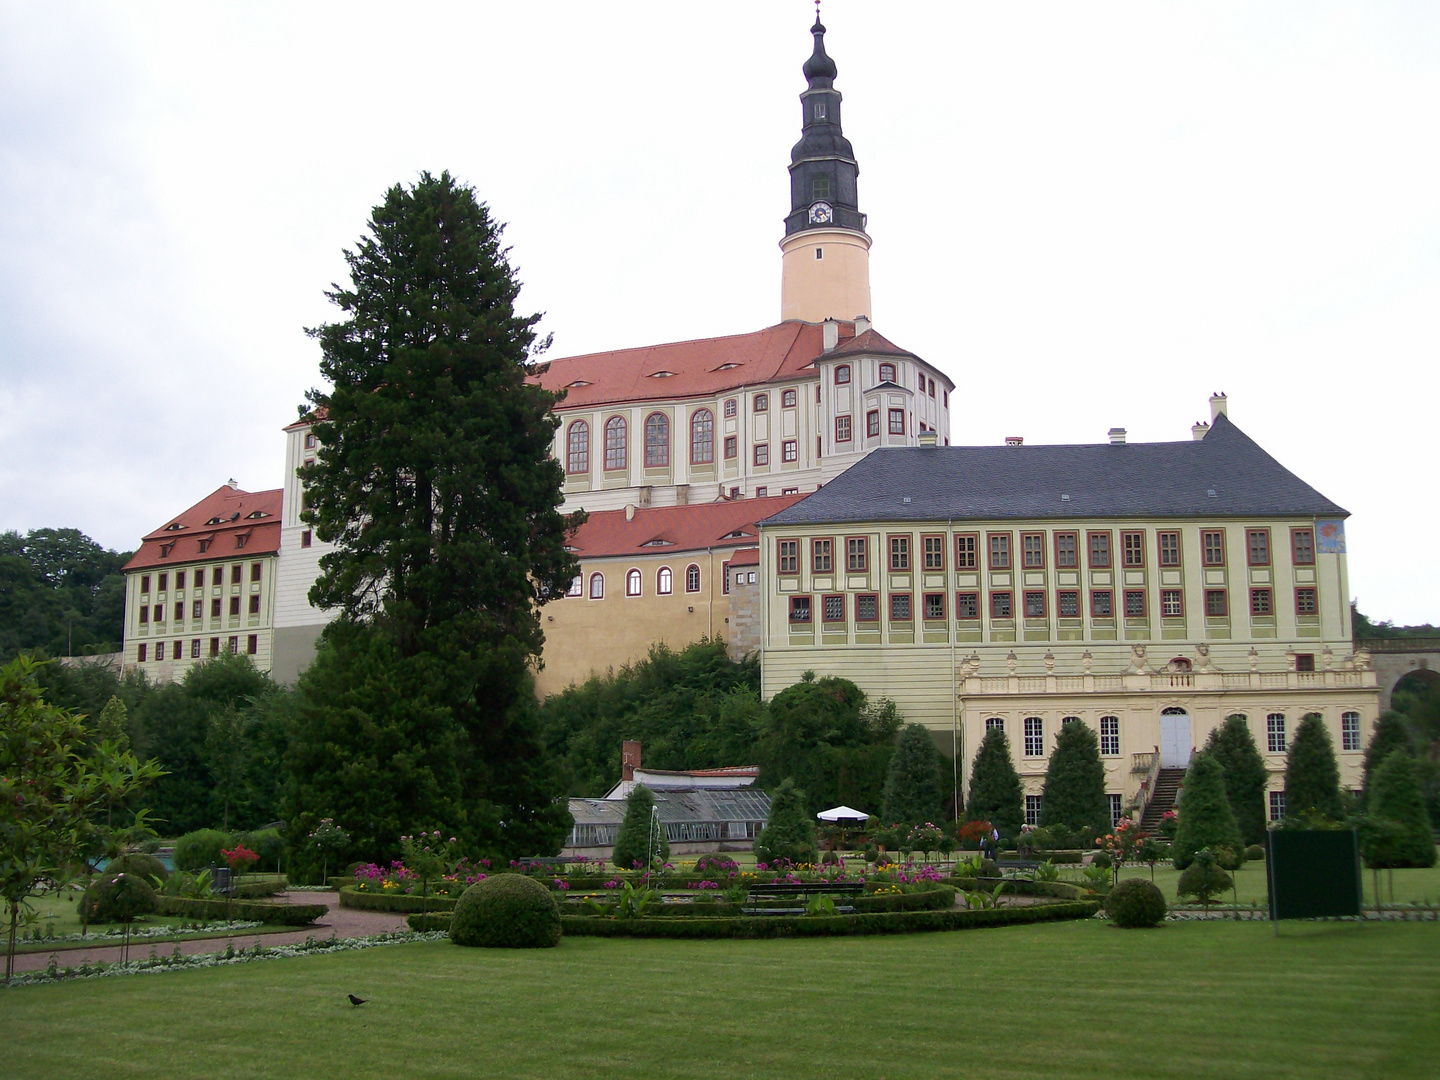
x: 766, y: 899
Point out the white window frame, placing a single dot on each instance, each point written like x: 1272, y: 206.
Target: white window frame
x: 1109, y: 736
x: 1034, y: 736
x: 634, y: 582
x: 1275, y: 733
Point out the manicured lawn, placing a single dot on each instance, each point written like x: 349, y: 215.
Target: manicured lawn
x: 1411, y: 886
x: 1189, y: 1000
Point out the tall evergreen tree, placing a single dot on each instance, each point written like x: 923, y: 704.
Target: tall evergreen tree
x: 1205, y: 817
x: 915, y: 781
x: 1312, y: 777
x: 640, y: 841
x: 1246, y: 777
x: 789, y: 832
x: 435, y: 482
x: 1391, y: 734
x: 1396, y: 797
x: 1074, y: 792
x: 995, y: 792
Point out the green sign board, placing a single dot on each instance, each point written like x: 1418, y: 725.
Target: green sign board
x: 1313, y: 873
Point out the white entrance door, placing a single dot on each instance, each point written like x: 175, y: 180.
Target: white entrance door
x: 1174, y: 739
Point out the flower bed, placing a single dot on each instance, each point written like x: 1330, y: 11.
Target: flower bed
x: 1060, y: 890
x: 276, y: 914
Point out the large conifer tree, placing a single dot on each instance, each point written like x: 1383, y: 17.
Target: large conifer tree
x: 1246, y: 777
x: 915, y: 782
x: 1074, y: 792
x: 1312, y: 777
x: 435, y: 482
x: 1391, y: 734
x: 1205, y: 817
x: 995, y: 792
x: 1395, y: 797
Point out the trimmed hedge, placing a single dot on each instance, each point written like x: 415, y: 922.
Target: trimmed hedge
x: 780, y: 926
x: 930, y: 900
x: 506, y: 912
x: 436, y: 920
x: 1060, y: 890
x: 139, y: 864
x: 704, y: 909
x: 249, y: 890
x: 201, y: 848
x: 399, y: 903
x: 248, y: 910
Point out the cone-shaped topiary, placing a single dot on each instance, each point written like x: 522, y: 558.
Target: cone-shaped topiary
x: 637, y: 831
x: 995, y: 792
x: 789, y: 833
x: 1312, y: 778
x: 1205, y: 819
x: 1395, y: 797
x: 1391, y: 734
x: 1246, y: 777
x: 1135, y: 903
x: 138, y: 863
x: 1074, y: 792
x: 506, y: 911
x: 915, y: 782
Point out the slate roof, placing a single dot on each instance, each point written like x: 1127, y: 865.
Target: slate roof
x: 681, y: 528
x: 1102, y: 481
x: 248, y: 525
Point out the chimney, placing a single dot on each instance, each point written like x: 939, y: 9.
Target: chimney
x: 629, y: 511
x: 1014, y: 440
x: 1199, y: 430
x: 1117, y: 436
x: 929, y: 437
x: 232, y: 484
x: 629, y: 758
x: 1217, y: 406
x: 830, y: 331
x: 862, y: 323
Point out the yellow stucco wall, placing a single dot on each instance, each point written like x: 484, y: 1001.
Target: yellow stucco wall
x: 833, y: 286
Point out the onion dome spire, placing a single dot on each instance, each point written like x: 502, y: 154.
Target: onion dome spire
x: 823, y: 169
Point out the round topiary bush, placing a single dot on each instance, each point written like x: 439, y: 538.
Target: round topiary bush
x: 506, y: 911
x: 116, y: 898
x: 1134, y: 903
x: 1255, y: 853
x: 138, y: 863
x: 201, y: 848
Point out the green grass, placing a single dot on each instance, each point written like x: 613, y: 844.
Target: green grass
x: 1188, y: 1000
x: 1411, y: 886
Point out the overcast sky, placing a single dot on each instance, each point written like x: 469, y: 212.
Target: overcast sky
x: 1087, y: 215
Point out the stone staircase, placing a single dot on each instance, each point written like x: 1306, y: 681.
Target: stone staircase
x: 1167, y: 786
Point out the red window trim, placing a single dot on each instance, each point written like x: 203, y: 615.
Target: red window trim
x: 876, y: 598
x: 864, y: 554
x: 1160, y: 550
x: 832, y: 596
x: 1076, y: 536
x: 1313, y: 553
x: 1109, y: 549
x: 814, y: 569
x: 1224, y: 560
x: 1302, y: 588
x: 1178, y: 615
x: 802, y: 622
x: 1025, y: 565
x: 942, y: 545
x: 977, y: 552
x: 846, y: 380
x: 1144, y: 603
x: 890, y: 606
x: 1224, y: 594
x: 849, y: 437
x: 1124, y: 551
x: 694, y: 417
x: 605, y: 448
x: 1269, y: 546
x: 1044, y: 603
x: 924, y: 603
x: 890, y: 538
x: 1256, y: 590
x: 1096, y: 592
x: 1002, y: 592
x: 569, y: 430
x: 779, y: 559
x: 967, y: 618
x: 1009, y: 551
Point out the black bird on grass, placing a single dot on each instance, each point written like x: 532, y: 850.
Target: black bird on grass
x: 356, y: 1001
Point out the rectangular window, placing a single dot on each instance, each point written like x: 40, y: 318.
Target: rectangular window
x: 577, y: 586
x: 1034, y: 604
x: 1169, y: 548
x: 159, y: 650
x: 1277, y: 805
x: 197, y: 609
x: 180, y: 579
x: 1304, y: 661
x: 305, y: 539
x: 788, y: 552
x: 897, y: 421
x: 857, y: 554
x: 1032, y: 549
x: 1102, y: 604
x: 180, y: 610
x: 967, y: 605
x: 1261, y: 602
x: 1099, y: 550
x: 1132, y: 548
x: 200, y: 579
x: 255, y: 605
x: 834, y: 609
x: 762, y: 453
x: 144, y: 583
x: 1302, y: 546
x: 255, y: 571
x: 195, y: 649
x: 236, y: 574
x: 144, y: 614
x: 1350, y: 731
x: 999, y: 551
x: 158, y: 612
x: 1212, y: 545
x: 842, y: 375
x: 1216, y: 606
x: 215, y: 608
x: 252, y: 644
x: 1066, y: 555
x: 1117, y: 806
x: 934, y: 605
x: 1134, y: 603
x: 799, y: 609
x: 872, y: 423
x: 1034, y: 737
x: 1110, y: 736
x: 234, y: 605
x: 1257, y: 546
x: 762, y: 402
x: 1306, y: 601
x: 1000, y: 606
x: 994, y: 723
x: 1275, y: 733
x: 1068, y: 603
x: 1172, y: 603
x: 140, y: 653
x: 790, y: 450
x: 867, y: 607
x: 900, y: 607
x: 214, y: 646
x: 731, y: 446
x: 966, y: 551
x: 163, y: 585
x: 842, y: 429
x: 1032, y: 809
x: 934, y: 552
x: 218, y: 577
x: 730, y: 407
x: 822, y: 556
x: 787, y: 399
x: 899, y: 553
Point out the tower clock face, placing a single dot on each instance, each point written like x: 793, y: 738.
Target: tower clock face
x: 821, y: 214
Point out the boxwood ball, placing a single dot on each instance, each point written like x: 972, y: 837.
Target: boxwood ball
x: 506, y: 911
x: 1135, y: 903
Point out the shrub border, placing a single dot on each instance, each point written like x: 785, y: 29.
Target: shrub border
x: 249, y: 910
x: 398, y: 903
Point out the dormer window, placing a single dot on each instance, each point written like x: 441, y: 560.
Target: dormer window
x: 165, y: 549
x: 216, y: 521
x: 254, y: 514
x: 657, y: 542
x: 174, y: 527
x: 576, y: 384
x: 726, y: 367
x: 661, y: 374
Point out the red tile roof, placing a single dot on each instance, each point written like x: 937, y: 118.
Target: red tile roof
x: 748, y: 557
x: 168, y: 546
x: 725, y: 524
x: 870, y: 344
x: 695, y: 368
x: 314, y: 416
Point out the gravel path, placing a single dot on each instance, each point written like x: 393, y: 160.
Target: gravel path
x: 342, y: 922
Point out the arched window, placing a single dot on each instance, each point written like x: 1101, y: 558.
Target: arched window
x: 632, y: 583
x: 597, y: 586
x: 657, y: 441
x: 887, y: 372
x: 702, y: 438
x: 577, y: 448
x: 762, y: 402
x: 842, y: 375
x: 662, y: 581
x: 1068, y: 720
x: 692, y: 578
x: 615, y: 443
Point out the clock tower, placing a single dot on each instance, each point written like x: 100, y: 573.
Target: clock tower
x: 825, y: 256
